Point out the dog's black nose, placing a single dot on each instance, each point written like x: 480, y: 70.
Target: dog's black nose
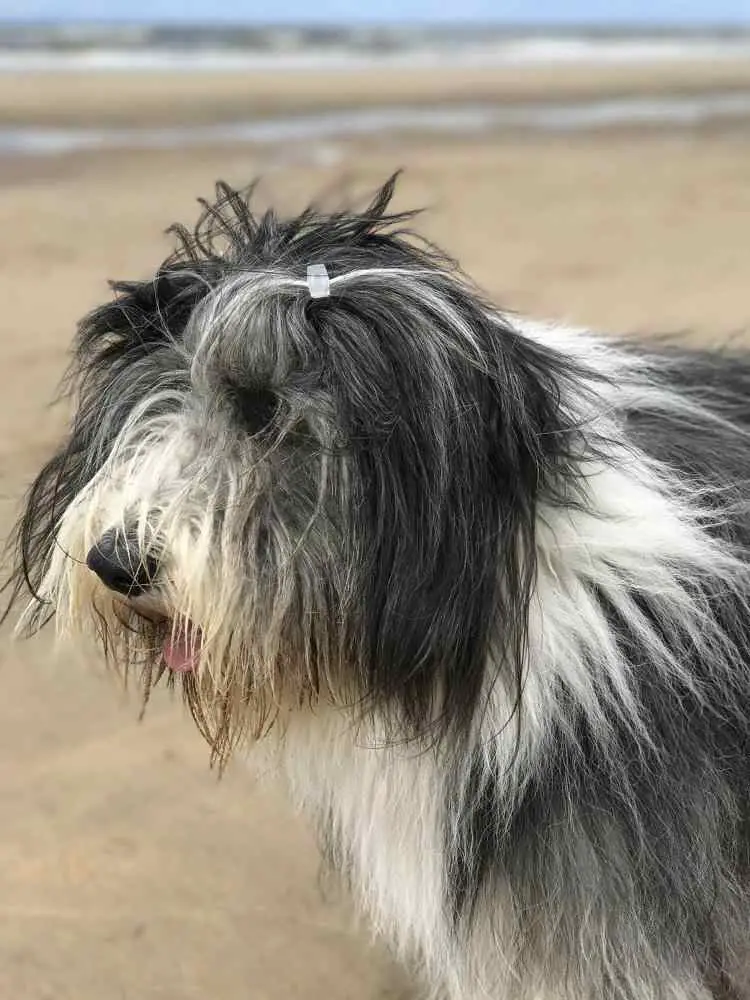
x: 118, y: 562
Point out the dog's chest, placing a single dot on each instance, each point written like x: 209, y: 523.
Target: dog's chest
x: 380, y: 811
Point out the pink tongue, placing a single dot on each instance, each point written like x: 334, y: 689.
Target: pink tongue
x: 181, y: 651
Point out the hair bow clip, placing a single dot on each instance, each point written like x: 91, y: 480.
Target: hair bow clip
x: 318, y: 281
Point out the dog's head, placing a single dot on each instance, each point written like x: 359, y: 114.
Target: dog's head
x: 281, y: 498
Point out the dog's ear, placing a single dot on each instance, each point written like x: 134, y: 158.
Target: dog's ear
x: 141, y: 316
x: 29, y: 547
x: 468, y: 439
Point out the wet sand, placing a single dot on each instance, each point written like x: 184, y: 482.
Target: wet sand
x: 158, y: 98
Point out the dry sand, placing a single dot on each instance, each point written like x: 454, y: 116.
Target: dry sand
x: 126, y: 870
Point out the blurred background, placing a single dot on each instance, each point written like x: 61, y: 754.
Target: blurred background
x: 585, y: 160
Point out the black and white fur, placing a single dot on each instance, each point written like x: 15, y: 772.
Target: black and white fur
x: 480, y: 583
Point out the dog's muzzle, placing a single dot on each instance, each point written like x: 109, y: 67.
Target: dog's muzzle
x: 122, y: 567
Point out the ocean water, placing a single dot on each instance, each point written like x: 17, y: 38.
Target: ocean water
x: 195, y: 51
x: 520, y: 54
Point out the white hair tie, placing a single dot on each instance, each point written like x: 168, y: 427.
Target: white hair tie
x: 318, y: 281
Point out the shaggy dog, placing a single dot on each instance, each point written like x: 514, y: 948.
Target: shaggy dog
x: 480, y: 584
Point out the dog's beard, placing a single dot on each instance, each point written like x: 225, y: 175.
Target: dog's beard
x: 232, y: 695
x: 234, y: 686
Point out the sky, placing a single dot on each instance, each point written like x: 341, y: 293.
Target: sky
x: 604, y: 11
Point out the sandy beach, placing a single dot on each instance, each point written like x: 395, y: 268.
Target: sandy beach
x: 159, y: 98
x: 126, y: 869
